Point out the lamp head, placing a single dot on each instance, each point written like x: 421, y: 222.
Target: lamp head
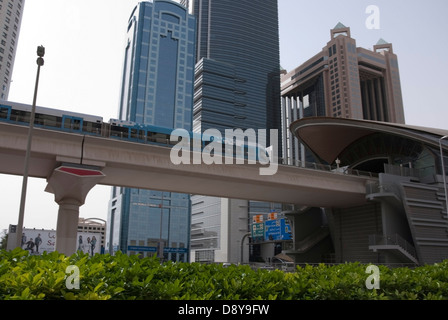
x: 40, y: 51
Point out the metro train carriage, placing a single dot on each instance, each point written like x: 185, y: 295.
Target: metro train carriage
x: 55, y: 119
x: 249, y: 149
x: 132, y: 131
x: 246, y: 150
x: 48, y: 118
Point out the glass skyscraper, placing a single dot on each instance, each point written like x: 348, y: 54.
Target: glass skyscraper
x: 237, y: 85
x: 157, y: 89
x: 238, y: 64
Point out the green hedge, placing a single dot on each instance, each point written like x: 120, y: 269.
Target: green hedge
x: 122, y: 277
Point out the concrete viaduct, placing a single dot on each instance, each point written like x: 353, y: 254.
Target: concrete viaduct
x: 73, y: 164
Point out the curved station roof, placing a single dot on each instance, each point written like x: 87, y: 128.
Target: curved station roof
x: 329, y: 138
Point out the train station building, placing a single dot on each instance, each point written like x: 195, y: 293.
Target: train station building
x: 404, y: 219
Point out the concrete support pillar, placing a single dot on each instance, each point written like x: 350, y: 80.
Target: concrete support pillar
x: 301, y: 116
x: 379, y: 100
x: 373, y: 105
x: 296, y: 117
x: 386, y: 111
x: 366, y: 100
x: 289, y: 138
x: 66, y: 233
x: 285, y: 129
x: 70, y: 186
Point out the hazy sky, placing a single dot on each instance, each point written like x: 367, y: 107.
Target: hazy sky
x: 84, y: 42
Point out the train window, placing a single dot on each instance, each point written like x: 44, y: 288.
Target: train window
x: 72, y: 123
x: 134, y: 133
x: 151, y: 136
x: 20, y: 116
x: 5, y: 112
x: 119, y: 132
x: 46, y: 120
x: 76, y: 124
x: 39, y: 119
x: 67, y: 123
x: 92, y: 127
x: 141, y: 134
x: 158, y: 137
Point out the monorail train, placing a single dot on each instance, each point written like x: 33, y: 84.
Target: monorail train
x: 55, y: 119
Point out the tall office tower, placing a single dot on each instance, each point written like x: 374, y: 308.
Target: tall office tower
x: 157, y: 89
x: 11, y: 12
x: 238, y: 64
x: 237, y: 85
x: 342, y: 81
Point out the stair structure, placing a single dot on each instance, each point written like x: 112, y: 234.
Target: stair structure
x: 428, y: 221
x: 395, y: 244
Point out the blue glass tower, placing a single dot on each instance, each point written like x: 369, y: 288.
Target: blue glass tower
x: 157, y: 89
x: 237, y: 85
x: 238, y: 70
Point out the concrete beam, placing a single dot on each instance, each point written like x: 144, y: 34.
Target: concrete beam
x: 48, y: 149
x: 148, y: 166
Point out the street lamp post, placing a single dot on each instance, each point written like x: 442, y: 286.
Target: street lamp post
x: 161, y: 248
x: 443, y: 172
x: 40, y: 62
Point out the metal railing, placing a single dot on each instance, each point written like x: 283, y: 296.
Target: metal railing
x: 394, y: 240
x: 409, y: 172
x: 382, y: 188
x: 326, y: 167
x: 401, y: 170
